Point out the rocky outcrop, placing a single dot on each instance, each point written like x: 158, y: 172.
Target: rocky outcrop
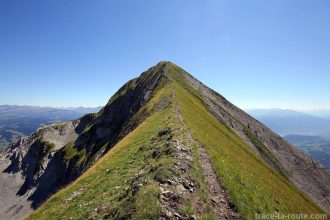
x: 55, y: 155
x: 29, y: 161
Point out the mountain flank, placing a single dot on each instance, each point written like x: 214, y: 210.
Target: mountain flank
x: 166, y: 140
x: 307, y: 132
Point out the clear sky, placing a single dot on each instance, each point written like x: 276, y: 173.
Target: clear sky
x: 273, y: 53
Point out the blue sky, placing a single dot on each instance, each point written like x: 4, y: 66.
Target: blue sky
x: 273, y: 53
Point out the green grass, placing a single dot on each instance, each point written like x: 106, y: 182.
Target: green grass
x: 48, y: 146
x: 101, y: 186
x: 253, y: 186
x: 147, y: 204
x: 107, y: 189
x: 203, y: 202
x: 70, y: 152
x: 124, y: 184
x: 265, y: 152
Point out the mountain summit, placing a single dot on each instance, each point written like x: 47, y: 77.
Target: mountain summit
x: 164, y: 147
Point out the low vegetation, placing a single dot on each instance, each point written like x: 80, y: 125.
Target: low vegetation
x: 127, y: 182
x: 254, y: 186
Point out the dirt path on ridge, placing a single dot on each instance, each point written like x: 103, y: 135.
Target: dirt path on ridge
x: 222, y: 207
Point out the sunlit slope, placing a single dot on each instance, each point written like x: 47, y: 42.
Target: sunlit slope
x: 253, y: 186
x: 102, y: 185
x: 127, y: 182
x: 105, y: 189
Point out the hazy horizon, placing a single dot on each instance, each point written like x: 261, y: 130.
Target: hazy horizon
x: 257, y: 54
x: 245, y: 109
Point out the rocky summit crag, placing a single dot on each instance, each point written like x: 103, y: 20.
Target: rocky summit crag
x: 165, y: 140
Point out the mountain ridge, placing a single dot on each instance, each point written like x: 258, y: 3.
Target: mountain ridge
x: 71, y: 159
x: 157, y: 96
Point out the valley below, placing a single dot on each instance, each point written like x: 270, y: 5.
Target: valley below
x: 165, y: 146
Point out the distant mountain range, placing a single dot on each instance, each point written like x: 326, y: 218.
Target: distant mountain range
x: 308, y: 132
x: 18, y: 121
x: 165, y: 146
x: 286, y: 122
x: 322, y: 113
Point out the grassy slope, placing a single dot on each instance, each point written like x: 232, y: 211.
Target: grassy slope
x: 105, y: 190
x: 253, y: 186
x: 101, y: 185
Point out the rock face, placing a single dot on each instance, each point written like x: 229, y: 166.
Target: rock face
x: 36, y: 162
x: 56, y: 155
x: 12, y: 206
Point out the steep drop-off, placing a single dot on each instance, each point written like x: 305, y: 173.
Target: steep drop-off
x: 166, y: 140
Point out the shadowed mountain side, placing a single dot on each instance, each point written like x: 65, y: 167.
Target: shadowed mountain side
x: 144, y: 147
x: 55, y: 155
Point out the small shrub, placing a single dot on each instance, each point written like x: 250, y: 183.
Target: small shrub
x: 48, y: 146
